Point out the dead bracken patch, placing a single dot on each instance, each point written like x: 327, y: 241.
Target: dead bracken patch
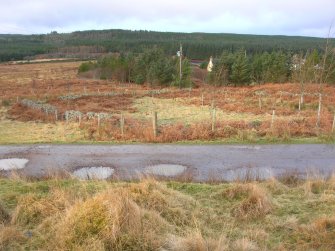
x: 98, y: 103
x: 242, y: 113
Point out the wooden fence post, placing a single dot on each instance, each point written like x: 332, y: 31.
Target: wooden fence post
x: 319, y: 112
x: 122, y: 124
x: 202, y: 100
x: 56, y: 115
x: 67, y: 117
x: 79, y: 119
x: 154, y: 124
x: 98, y: 120
x: 260, y: 103
x: 213, y: 104
x: 333, y: 127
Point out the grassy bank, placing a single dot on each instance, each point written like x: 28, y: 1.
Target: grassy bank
x: 67, y: 214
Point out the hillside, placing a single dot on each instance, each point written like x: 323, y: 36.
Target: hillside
x: 86, y: 44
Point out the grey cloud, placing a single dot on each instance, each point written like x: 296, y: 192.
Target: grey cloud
x: 293, y: 17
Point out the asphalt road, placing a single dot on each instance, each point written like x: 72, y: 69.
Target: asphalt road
x: 203, y: 162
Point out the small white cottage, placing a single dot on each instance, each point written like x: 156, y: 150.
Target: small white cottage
x: 210, y: 64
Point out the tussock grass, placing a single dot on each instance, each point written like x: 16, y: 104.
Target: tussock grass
x: 318, y: 235
x: 245, y: 245
x: 33, y: 209
x: 175, y: 207
x: 68, y: 214
x: 257, y: 204
x: 11, y: 238
x: 4, y: 215
x: 111, y: 219
x: 195, y: 242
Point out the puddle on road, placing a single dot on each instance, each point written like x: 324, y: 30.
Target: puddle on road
x: 165, y: 170
x: 12, y: 164
x: 89, y: 173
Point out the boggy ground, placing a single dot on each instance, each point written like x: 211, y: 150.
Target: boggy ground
x: 242, y: 114
x: 67, y: 214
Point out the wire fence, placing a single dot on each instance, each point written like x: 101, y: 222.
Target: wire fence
x: 215, y: 125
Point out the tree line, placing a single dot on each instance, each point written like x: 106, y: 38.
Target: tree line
x: 151, y: 66
x: 195, y: 45
x: 241, y: 68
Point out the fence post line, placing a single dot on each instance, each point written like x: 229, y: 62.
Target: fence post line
x: 154, y: 124
x: 56, y: 115
x: 260, y: 103
x: 333, y: 127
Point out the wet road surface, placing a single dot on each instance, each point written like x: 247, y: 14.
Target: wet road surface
x: 203, y: 162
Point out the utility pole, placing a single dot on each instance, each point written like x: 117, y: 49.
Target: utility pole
x: 180, y: 69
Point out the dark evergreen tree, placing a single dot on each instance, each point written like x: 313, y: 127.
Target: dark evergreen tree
x: 222, y: 68
x: 240, y: 72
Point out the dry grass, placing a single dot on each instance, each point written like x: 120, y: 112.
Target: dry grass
x: 31, y: 209
x: 318, y: 235
x: 257, y: 204
x: 59, y: 214
x: 112, y: 219
x: 131, y: 217
x: 178, y: 111
x: 11, y: 238
x: 195, y: 242
x: 245, y: 245
x: 32, y: 132
x: 4, y: 215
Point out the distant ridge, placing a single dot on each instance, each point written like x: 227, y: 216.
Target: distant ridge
x: 200, y: 45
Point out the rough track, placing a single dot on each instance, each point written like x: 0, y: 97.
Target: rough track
x: 203, y: 162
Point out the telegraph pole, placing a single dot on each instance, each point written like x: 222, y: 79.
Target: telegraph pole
x: 180, y: 69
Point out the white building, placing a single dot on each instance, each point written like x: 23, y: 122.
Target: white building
x: 210, y: 65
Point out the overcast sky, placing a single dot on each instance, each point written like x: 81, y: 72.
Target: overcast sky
x: 282, y: 17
